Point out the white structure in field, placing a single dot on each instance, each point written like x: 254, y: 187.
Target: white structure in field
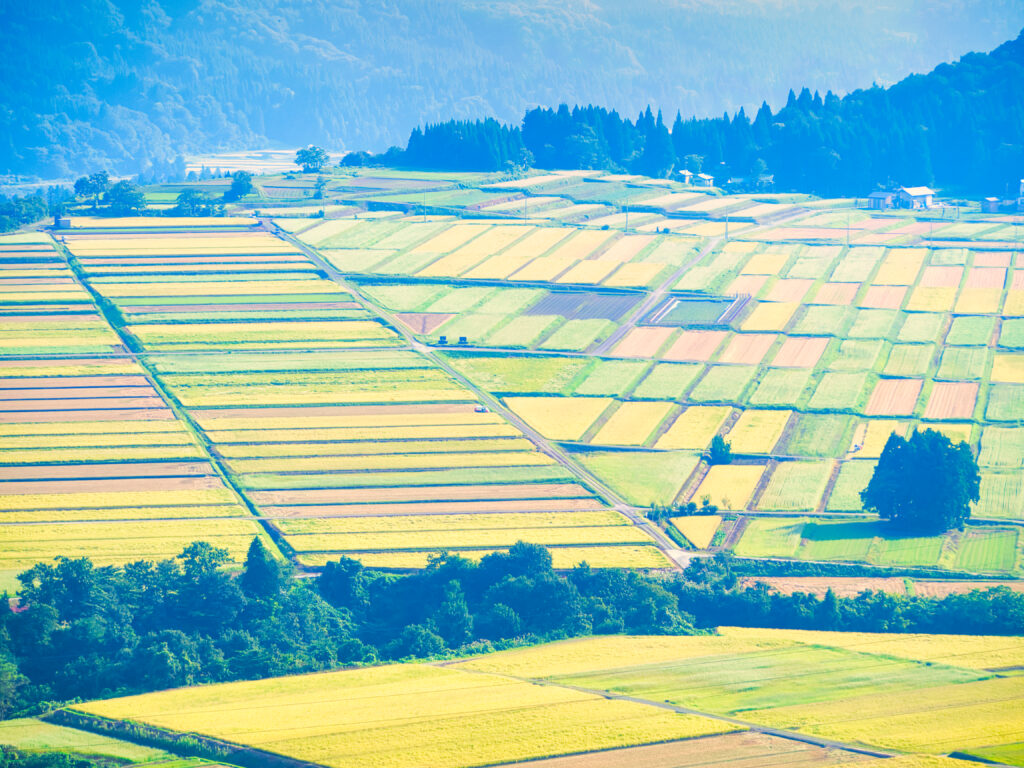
x: 916, y: 197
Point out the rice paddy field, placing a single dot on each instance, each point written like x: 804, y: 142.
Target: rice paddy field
x: 228, y: 388
x: 898, y: 700
x: 496, y: 348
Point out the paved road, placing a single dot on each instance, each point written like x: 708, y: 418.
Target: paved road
x: 652, y: 299
x: 669, y: 547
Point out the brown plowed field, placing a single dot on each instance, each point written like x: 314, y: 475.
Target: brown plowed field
x: 300, y: 411
x: 138, y: 414
x: 143, y: 484
x: 75, y: 394
x: 747, y: 348
x: 643, y: 342
x: 986, y: 278
x: 836, y: 293
x: 952, y: 400
x: 735, y: 750
x: 789, y: 289
x: 80, y: 403
x: 884, y: 297
x: 1018, y: 279
x: 61, y: 318
x: 942, y: 588
x: 941, y: 277
x: 419, y: 493
x: 240, y: 307
x: 846, y: 586
x: 800, y: 351
x: 296, y: 258
x: 55, y: 281
x: 82, y: 471
x: 58, y: 361
x: 894, y: 397
x: 57, y: 383
x: 695, y: 345
x: 424, y: 322
x: 436, y: 508
x: 991, y: 259
x: 842, y: 586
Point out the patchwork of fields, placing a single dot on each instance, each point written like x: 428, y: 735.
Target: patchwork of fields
x: 834, y: 328
x: 210, y: 378
x: 230, y: 389
x: 910, y: 695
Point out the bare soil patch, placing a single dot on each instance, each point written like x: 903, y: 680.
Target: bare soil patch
x: 836, y: 293
x: 90, y: 471
x: 884, y: 297
x: 424, y: 322
x: 986, y: 277
x: 736, y: 750
x: 952, y: 400
x: 747, y: 348
x: 79, y: 403
x: 300, y: 411
x: 894, y: 397
x: 140, y: 484
x: 696, y: 346
x: 58, y: 383
x: 76, y: 393
x: 135, y: 414
x: 437, y: 508
x: 800, y: 351
x: 329, y: 496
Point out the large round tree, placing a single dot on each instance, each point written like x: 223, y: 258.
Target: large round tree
x: 925, y: 484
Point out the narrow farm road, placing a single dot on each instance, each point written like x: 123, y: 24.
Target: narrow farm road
x: 652, y: 299
x: 781, y: 733
x: 665, y: 544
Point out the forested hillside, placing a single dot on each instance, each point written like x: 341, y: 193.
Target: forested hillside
x: 960, y: 126
x: 122, y: 84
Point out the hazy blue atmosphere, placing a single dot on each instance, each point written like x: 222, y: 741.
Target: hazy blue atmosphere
x: 121, y: 84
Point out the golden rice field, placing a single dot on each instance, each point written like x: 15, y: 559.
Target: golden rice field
x: 406, y: 715
x: 699, y: 530
x: 559, y: 418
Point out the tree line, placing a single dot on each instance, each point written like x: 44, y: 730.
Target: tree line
x: 80, y: 631
x: 960, y: 127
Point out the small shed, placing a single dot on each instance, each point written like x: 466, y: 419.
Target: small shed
x: 703, y: 180
x: 61, y: 222
x: 916, y: 197
x: 990, y: 205
x: 685, y: 176
x: 881, y: 200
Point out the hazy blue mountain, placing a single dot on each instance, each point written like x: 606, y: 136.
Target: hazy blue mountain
x: 123, y: 83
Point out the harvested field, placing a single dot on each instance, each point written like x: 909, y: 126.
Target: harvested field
x: 952, y: 400
x: 836, y: 293
x: 818, y: 585
x: 800, y: 351
x: 78, y: 472
x: 747, y: 348
x: 424, y: 322
x: 894, y: 397
x: 978, y: 277
x: 14, y: 488
x: 643, y: 342
x: 64, y: 416
x: 792, y: 289
x: 375, y: 510
x: 695, y: 346
x: 883, y: 297
x: 740, y: 750
x: 469, y: 492
x: 942, y: 277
